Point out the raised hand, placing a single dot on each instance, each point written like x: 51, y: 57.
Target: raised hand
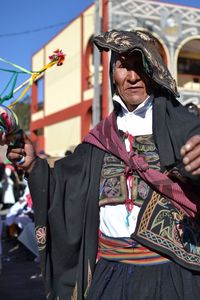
x: 191, y: 155
x: 22, y: 154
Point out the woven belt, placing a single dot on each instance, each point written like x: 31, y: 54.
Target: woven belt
x: 127, y: 251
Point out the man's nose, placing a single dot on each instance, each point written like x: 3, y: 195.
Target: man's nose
x: 133, y: 76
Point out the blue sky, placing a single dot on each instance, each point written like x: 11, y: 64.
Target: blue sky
x: 22, y: 15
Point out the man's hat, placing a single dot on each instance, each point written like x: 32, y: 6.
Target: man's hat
x: 130, y: 41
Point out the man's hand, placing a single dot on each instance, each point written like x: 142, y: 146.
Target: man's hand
x: 26, y: 150
x: 191, y: 155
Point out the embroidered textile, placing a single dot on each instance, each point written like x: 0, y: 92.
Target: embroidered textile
x: 105, y: 137
x: 167, y: 229
x: 113, y: 188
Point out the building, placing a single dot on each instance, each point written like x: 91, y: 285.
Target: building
x: 67, y: 102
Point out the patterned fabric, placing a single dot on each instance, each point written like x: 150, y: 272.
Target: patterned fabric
x: 162, y: 226
x: 113, y: 188
x: 112, y: 184
x: 41, y: 235
x: 129, y: 41
x: 128, y: 251
x: 168, y: 230
x: 105, y: 136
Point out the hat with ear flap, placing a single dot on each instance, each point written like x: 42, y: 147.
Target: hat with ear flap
x: 144, y: 42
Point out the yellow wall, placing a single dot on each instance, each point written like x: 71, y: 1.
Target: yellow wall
x: 62, y: 136
x: 37, y: 116
x: 38, y: 60
x: 88, y: 23
x: 63, y: 84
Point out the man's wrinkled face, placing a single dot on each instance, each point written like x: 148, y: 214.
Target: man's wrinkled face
x: 130, y: 79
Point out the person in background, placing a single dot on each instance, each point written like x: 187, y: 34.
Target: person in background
x: 21, y: 212
x: 10, y: 184
x: 119, y: 218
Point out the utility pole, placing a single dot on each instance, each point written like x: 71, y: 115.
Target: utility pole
x: 96, y: 107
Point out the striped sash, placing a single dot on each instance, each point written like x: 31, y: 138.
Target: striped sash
x: 127, y: 251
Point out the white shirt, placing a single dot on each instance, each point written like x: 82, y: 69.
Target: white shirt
x: 138, y: 122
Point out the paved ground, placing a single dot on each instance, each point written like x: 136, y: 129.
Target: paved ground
x: 20, y: 278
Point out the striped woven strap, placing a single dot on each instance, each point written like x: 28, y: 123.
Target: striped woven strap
x: 127, y: 251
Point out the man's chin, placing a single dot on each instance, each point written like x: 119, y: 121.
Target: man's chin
x: 136, y: 100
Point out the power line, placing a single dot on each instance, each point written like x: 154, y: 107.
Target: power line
x: 32, y: 30
x: 3, y: 35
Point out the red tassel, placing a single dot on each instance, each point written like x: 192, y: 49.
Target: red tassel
x: 129, y: 204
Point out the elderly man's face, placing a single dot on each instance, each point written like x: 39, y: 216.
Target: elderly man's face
x: 129, y: 79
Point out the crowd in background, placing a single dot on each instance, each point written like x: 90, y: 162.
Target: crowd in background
x: 15, y: 203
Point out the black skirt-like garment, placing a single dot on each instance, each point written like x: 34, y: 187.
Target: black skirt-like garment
x: 120, y: 281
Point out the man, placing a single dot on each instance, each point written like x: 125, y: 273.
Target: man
x: 118, y: 218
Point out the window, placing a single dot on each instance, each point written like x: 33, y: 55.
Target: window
x: 40, y: 93
x: 89, y: 66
